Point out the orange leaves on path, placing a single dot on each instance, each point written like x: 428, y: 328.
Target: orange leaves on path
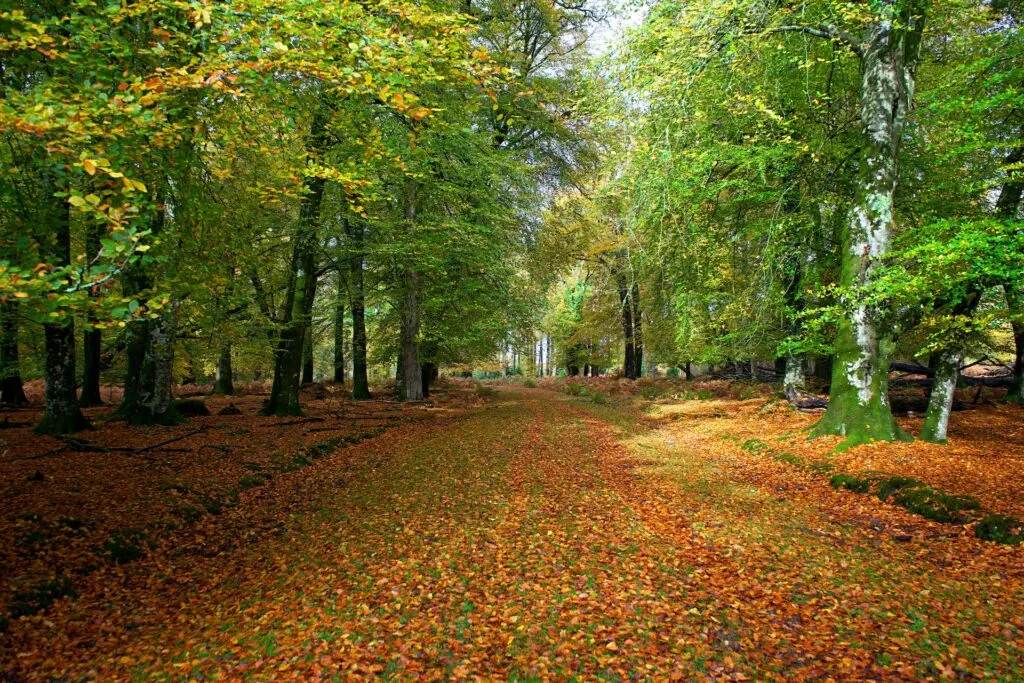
x: 543, y: 537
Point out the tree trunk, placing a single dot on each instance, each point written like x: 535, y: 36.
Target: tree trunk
x: 92, y: 338
x: 339, y: 331
x: 12, y: 392
x: 307, y: 355
x: 224, y: 382
x: 356, y: 258
x: 1015, y: 300
x: 638, y: 331
x: 411, y: 386
x: 858, y: 401
x: 940, y: 403
x: 284, y: 392
x: 629, y: 359
x: 1006, y: 209
x: 794, y: 372
x: 62, y: 414
x: 429, y: 373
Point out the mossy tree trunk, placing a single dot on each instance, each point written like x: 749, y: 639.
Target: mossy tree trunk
x: 62, y: 414
x: 12, y: 391
x: 307, y: 355
x: 947, y: 374
x: 284, y: 392
x: 940, y: 403
x: 859, y: 405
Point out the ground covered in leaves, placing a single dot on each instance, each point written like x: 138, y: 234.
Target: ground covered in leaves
x: 577, y: 529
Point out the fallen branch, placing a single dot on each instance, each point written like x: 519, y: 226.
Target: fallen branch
x: 288, y: 423
x: 805, y: 402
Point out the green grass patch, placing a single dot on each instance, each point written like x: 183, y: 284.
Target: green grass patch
x: 850, y: 483
x: 789, y: 458
x: 890, y: 485
x: 1000, y: 529
x: 754, y: 446
x: 936, y: 505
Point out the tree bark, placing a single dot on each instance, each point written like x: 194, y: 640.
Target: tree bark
x: 356, y: 258
x: 411, y: 385
x: 1006, y: 209
x: 339, y: 331
x: 629, y: 359
x: 284, y: 392
x: 224, y: 382
x: 92, y: 338
x: 638, y: 331
x: 12, y: 391
x: 940, y: 403
x: 62, y: 414
x: 859, y: 405
x: 307, y: 355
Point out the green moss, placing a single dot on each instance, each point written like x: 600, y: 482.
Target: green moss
x: 821, y: 467
x: 125, y: 545
x: 890, y: 485
x: 850, y: 483
x: 936, y: 505
x: 754, y: 446
x: 1000, y: 529
x: 789, y: 457
x: 38, y: 597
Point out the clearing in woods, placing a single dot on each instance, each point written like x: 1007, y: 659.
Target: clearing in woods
x: 539, y: 536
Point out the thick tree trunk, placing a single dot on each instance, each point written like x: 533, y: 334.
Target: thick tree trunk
x: 411, y: 386
x: 284, y: 392
x: 62, y: 414
x: 307, y: 355
x: 224, y: 382
x: 12, y: 392
x: 356, y: 259
x: 859, y: 405
x: 794, y: 372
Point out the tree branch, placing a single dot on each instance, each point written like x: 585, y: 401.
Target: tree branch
x: 825, y: 32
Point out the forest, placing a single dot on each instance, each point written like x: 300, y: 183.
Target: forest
x: 610, y: 314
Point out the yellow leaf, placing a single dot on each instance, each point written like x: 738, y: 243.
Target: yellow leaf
x: 89, y: 165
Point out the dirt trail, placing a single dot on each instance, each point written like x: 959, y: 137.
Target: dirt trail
x: 541, y: 538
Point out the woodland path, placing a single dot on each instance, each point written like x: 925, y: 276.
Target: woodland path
x: 540, y: 537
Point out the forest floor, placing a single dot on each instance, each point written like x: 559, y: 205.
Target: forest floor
x: 523, y: 534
